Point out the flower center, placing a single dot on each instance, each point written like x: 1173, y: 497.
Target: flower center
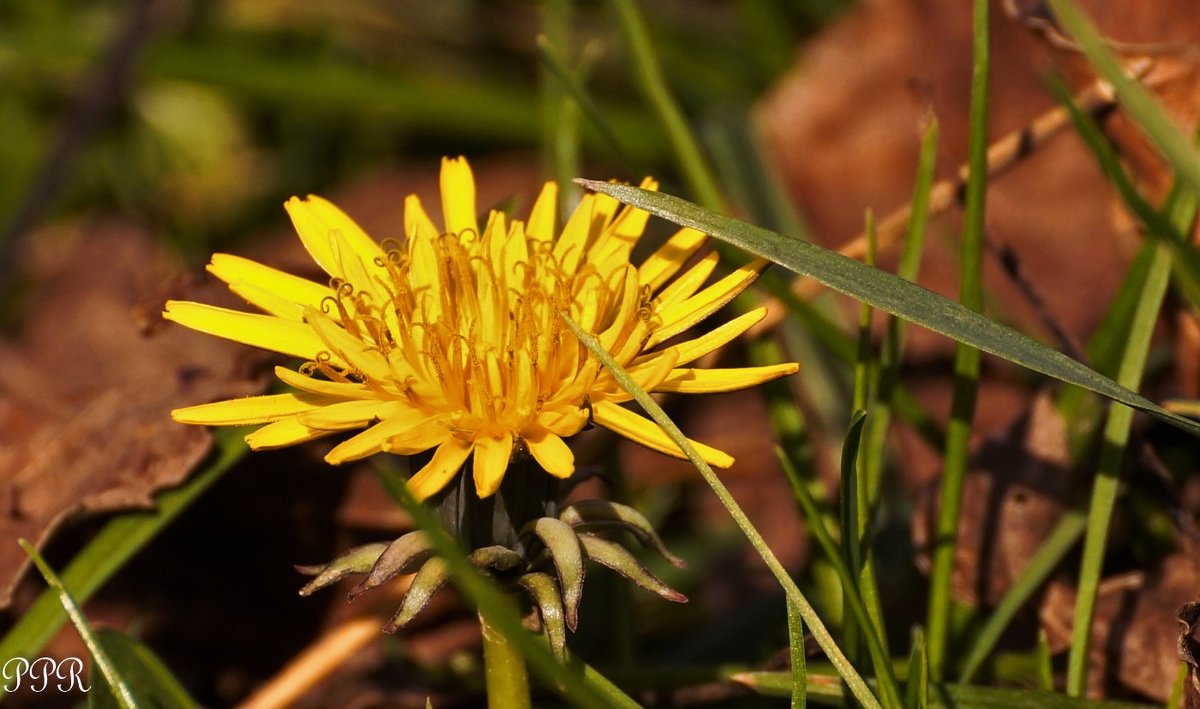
x: 471, y: 325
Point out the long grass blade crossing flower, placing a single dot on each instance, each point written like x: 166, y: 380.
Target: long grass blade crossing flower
x: 451, y: 340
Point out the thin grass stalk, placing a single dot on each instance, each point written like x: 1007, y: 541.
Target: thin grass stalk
x: 966, y: 361
x: 893, y: 343
x: 122, y: 693
x: 1045, y: 661
x: 870, y: 476
x: 855, y: 608
x: 649, y: 77
x: 850, y: 523
x: 1134, y: 98
x: 916, y: 690
x: 796, y: 650
x: 1185, y: 258
x: 854, y: 681
x: 855, y: 507
x: 560, y: 114
x: 556, y: 68
x: 1112, y: 451
x: 504, y: 672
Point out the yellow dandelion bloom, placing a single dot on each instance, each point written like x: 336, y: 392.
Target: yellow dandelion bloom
x: 452, y: 340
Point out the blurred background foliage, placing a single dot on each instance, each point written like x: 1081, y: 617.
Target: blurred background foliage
x: 224, y: 109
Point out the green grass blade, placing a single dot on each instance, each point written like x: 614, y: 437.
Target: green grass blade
x: 121, y: 692
x: 559, y: 111
x: 1177, y: 688
x: 151, y: 681
x: 1045, y: 661
x: 1104, y: 491
x: 1185, y: 257
x: 856, y: 608
x: 916, y: 691
x: 890, y: 294
x: 858, y: 687
x: 1134, y: 98
x: 1065, y: 535
x: 825, y: 689
x: 577, y: 682
x: 113, y: 546
x: 556, y: 68
x: 650, y: 79
x: 796, y: 649
x: 966, y: 363
x: 1112, y: 451
x: 851, y: 523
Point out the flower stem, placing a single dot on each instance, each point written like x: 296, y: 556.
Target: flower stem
x: 504, y: 669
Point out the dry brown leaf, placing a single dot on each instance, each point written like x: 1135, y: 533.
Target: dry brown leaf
x: 843, y: 128
x: 1134, y: 636
x: 1014, y: 496
x: 1189, y: 651
x: 87, y: 388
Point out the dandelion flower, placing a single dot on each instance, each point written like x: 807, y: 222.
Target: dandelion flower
x: 452, y: 340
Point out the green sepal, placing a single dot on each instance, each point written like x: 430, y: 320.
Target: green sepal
x: 601, y: 514
x: 432, y: 575
x: 497, y: 558
x: 618, y: 558
x: 402, y: 556
x: 358, y: 560
x: 544, y: 592
x: 564, y: 547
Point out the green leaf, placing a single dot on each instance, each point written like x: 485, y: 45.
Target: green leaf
x: 888, y: 293
x: 151, y: 681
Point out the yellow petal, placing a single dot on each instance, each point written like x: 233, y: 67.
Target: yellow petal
x: 342, y: 415
x: 692, y: 350
x: 569, y: 248
x: 670, y: 257
x: 648, y: 433
x: 622, y: 233
x: 375, y: 439
x: 441, y: 469
x: 416, y: 220
x: 360, y: 355
x: 270, y: 333
x: 647, y: 376
x: 563, y: 423
x: 236, y: 270
x: 331, y: 236
x: 250, y: 409
x: 515, y: 252
x: 551, y: 453
x: 417, y: 438
x: 342, y: 390
x: 269, y: 302
x: 678, y: 317
x: 491, y: 462
x: 683, y: 287
x: 543, y: 217
x: 282, y: 433
x: 351, y: 234
x: 458, y: 197
x: 708, y: 381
